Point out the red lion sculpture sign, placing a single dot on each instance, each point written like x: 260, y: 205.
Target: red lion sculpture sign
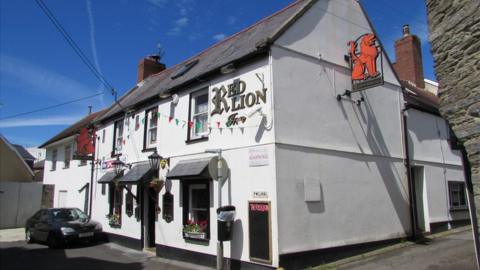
x: 364, y: 54
x: 85, y: 142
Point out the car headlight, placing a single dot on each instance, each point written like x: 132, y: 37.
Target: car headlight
x: 98, y: 227
x: 67, y: 230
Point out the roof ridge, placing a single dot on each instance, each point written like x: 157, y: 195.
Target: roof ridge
x: 232, y: 36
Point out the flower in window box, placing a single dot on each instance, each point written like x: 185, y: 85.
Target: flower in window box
x: 195, y: 230
x: 114, y: 220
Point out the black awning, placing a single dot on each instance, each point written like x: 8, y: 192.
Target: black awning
x: 137, y: 173
x: 107, y: 178
x: 193, y: 168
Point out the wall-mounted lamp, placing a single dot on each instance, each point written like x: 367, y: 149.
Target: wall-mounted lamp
x: 154, y: 160
x: 164, y: 95
x: 227, y: 69
x: 257, y: 110
x: 118, y: 165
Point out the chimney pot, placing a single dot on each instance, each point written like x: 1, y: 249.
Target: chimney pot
x: 406, y: 30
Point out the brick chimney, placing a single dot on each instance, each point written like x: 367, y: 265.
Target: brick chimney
x: 408, y: 52
x: 148, y: 66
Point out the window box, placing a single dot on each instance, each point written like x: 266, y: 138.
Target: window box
x: 195, y: 235
x: 114, y: 220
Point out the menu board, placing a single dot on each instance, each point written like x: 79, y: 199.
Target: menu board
x: 260, y: 234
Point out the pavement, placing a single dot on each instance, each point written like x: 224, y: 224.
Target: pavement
x: 447, y: 250
x: 16, y: 254
x: 10, y: 235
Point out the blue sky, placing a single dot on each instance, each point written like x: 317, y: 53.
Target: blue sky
x: 39, y: 69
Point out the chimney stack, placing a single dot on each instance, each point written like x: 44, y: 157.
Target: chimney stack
x: 408, y: 52
x: 148, y: 66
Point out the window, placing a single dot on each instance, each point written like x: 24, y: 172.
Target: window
x: 83, y: 162
x: 118, y: 137
x: 457, y: 195
x: 198, y: 127
x: 103, y: 136
x: 151, y: 123
x: 196, y: 210
x: 54, y: 159
x: 115, y: 205
x: 68, y: 153
x: 129, y: 201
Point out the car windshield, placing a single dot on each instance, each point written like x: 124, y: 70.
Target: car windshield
x: 68, y: 215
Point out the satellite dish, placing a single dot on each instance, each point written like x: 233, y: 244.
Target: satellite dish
x: 213, y: 168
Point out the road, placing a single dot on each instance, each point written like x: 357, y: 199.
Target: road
x: 455, y: 251
x: 19, y: 255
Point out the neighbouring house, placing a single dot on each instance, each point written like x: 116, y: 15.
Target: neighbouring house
x: 38, y: 153
x: 311, y: 165
x: 68, y: 178
x: 19, y: 196
x: 437, y: 173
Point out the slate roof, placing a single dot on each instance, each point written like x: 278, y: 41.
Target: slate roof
x: 74, y: 129
x: 246, y: 43
x: 420, y: 99
x: 23, y: 152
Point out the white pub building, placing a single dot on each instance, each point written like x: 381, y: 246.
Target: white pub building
x: 307, y: 113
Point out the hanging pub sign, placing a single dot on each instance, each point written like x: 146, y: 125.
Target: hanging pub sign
x: 365, y: 58
x: 85, y: 144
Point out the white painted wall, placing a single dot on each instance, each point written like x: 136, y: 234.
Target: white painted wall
x: 18, y: 202
x: 69, y: 179
x: 354, y: 151
x: 429, y: 148
x: 172, y: 143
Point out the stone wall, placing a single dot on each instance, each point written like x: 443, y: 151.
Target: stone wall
x: 455, y: 38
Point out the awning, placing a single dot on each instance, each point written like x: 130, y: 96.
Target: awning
x: 137, y: 173
x: 193, y: 168
x: 107, y: 178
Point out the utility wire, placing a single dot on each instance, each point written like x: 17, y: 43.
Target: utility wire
x: 80, y: 54
x: 53, y: 106
x: 74, y: 45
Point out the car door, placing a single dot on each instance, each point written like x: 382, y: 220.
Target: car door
x: 32, y: 221
x: 42, y: 226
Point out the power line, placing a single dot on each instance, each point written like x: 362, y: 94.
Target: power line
x: 52, y: 106
x: 74, y: 45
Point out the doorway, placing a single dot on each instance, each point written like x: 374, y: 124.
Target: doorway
x: 421, y: 199
x: 62, y: 198
x: 150, y: 206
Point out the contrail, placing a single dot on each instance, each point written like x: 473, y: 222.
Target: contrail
x: 93, y: 44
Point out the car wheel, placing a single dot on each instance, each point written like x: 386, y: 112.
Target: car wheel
x: 53, y: 241
x: 29, y: 237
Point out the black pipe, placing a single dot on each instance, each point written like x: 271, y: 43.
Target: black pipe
x: 411, y: 189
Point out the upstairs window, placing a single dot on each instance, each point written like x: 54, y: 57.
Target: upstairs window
x: 118, y: 137
x: 67, y: 158
x: 54, y: 159
x: 198, y: 114
x: 151, y: 123
x: 458, y: 199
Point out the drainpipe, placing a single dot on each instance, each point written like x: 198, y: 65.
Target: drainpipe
x: 411, y: 185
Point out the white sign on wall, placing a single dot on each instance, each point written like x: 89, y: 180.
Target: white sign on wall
x: 260, y: 194
x: 257, y: 157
